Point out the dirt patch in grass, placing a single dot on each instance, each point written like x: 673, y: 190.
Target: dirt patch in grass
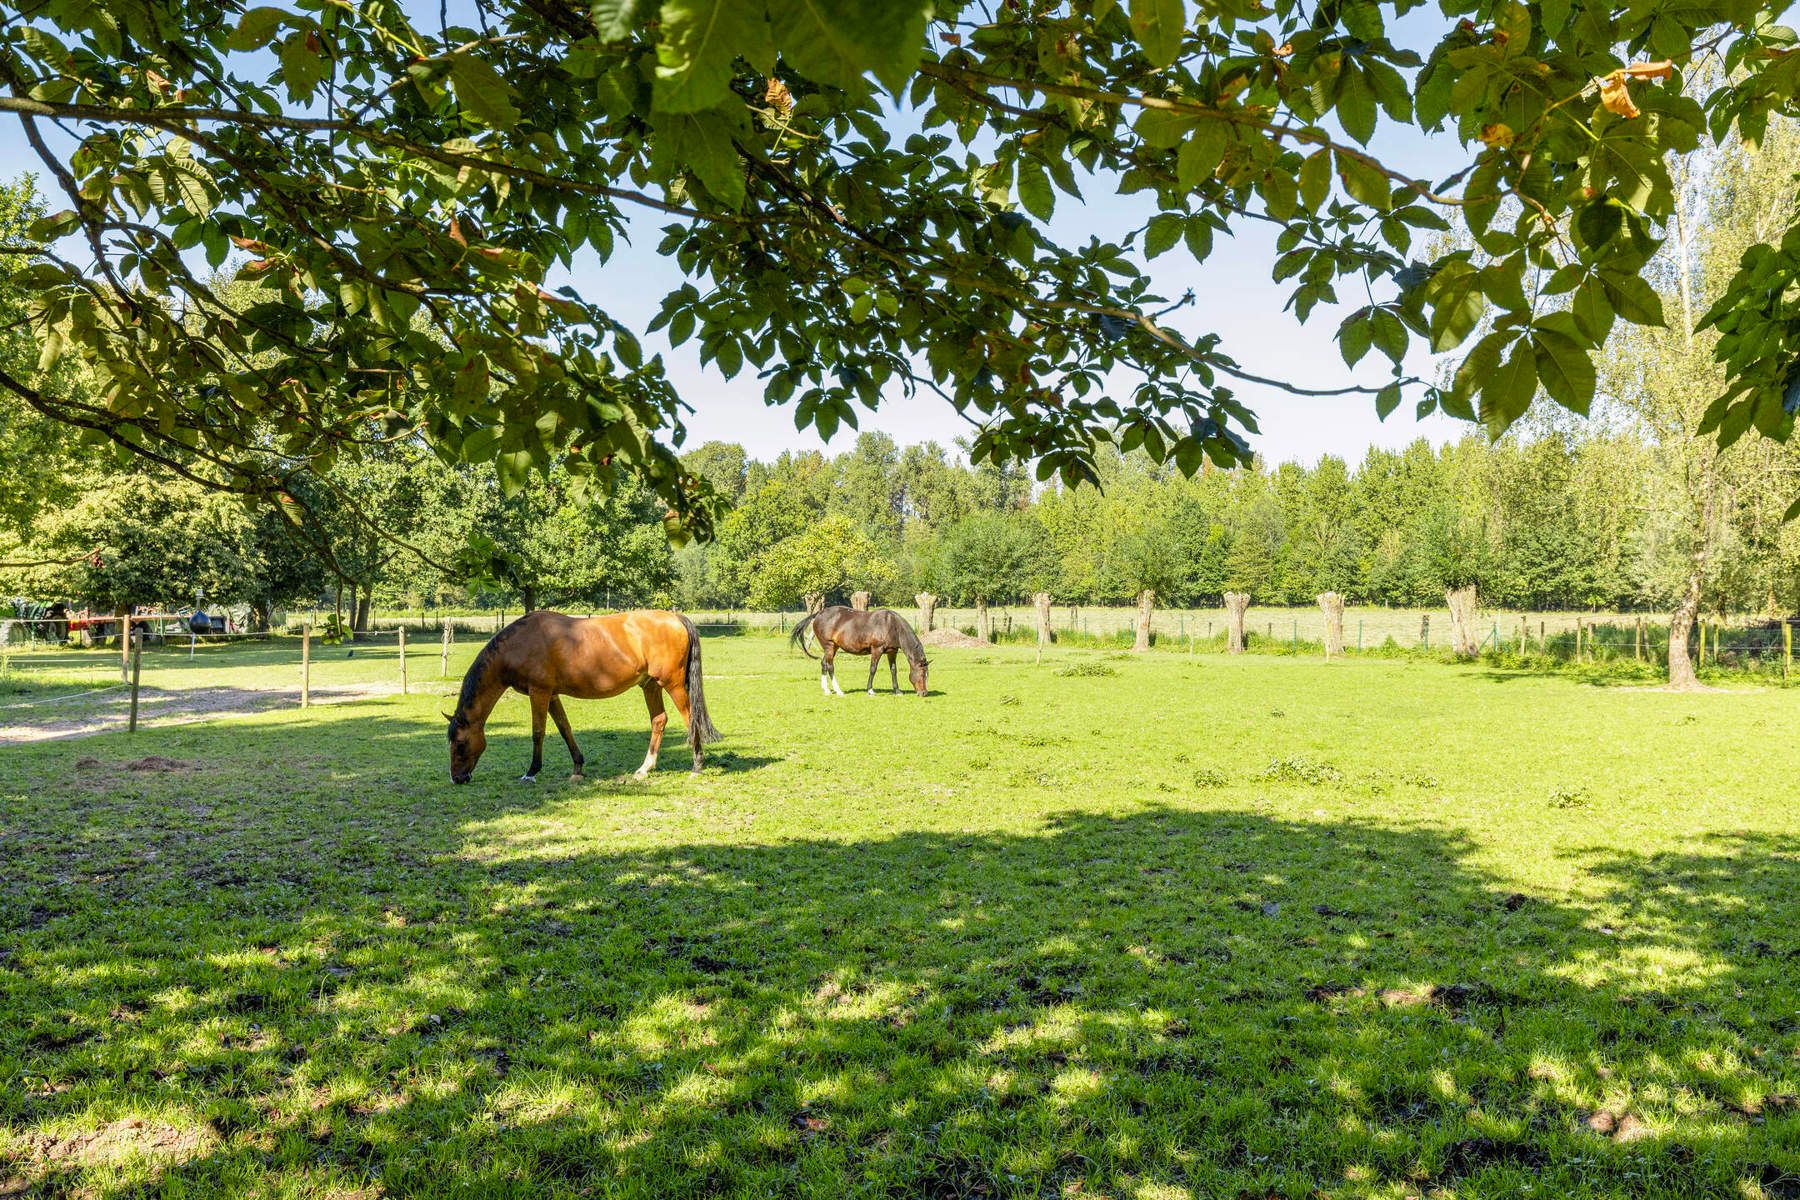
x: 954, y: 638
x: 159, y: 764
x: 175, y: 707
x: 118, y: 1142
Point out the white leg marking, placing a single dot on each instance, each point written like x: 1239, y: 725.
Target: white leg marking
x: 648, y: 766
x: 824, y: 684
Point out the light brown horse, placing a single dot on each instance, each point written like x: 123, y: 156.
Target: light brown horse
x: 546, y: 655
x: 883, y: 631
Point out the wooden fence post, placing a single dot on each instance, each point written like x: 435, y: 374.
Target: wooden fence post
x: 444, y: 658
x: 1425, y: 631
x: 1637, y: 650
x: 403, y: 660
x: 137, y: 662
x: 306, y: 666
x: 1787, y: 648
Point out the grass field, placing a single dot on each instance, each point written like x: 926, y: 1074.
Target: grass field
x: 1131, y: 928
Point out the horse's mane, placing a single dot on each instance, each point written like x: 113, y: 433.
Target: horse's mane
x: 909, y: 641
x: 479, y: 668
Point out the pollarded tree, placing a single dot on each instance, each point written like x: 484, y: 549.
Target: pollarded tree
x: 400, y: 190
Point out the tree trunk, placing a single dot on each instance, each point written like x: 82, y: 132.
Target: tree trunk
x: 1332, y: 605
x: 1041, y: 602
x: 1235, y: 605
x: 363, y: 602
x: 1681, y: 627
x: 1146, y: 602
x: 927, y: 606
x: 815, y: 603
x: 337, y: 607
x: 1462, y: 602
x: 859, y: 601
x: 123, y: 613
x: 984, y: 628
x: 528, y: 599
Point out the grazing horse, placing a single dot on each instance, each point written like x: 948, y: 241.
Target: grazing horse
x: 546, y: 655
x: 876, y: 633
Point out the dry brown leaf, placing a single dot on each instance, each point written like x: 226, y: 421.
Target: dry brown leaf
x: 776, y: 94
x: 1615, y: 97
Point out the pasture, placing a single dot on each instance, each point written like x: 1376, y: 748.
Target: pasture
x: 1151, y: 928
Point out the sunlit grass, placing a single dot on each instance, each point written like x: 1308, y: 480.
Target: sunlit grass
x: 1196, y: 928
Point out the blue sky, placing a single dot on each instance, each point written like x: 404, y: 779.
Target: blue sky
x: 1234, y: 298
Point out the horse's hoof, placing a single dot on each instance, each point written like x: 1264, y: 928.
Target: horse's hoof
x: 528, y: 779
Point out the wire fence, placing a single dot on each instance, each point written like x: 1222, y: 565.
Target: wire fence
x: 53, y: 686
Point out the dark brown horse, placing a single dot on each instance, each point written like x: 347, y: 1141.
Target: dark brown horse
x: 876, y: 633
x: 546, y: 655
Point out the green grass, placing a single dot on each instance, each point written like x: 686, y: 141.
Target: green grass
x: 1210, y: 928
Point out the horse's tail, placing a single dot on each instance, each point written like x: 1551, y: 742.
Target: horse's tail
x: 700, y: 726
x: 798, y: 637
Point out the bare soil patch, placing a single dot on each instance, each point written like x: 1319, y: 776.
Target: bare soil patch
x: 118, y: 1142
x: 953, y: 638
x: 159, y: 708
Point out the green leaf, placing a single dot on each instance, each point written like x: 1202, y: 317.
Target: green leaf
x: 1163, y: 232
x: 1454, y: 294
x: 1355, y: 336
x: 836, y: 41
x: 1198, y: 234
x: 1508, y: 391
x: 1565, y: 369
x: 1387, y: 400
x: 1390, y: 334
x: 614, y: 19
x: 1592, y: 310
x: 702, y: 143
x: 1365, y: 182
x: 1355, y: 104
x: 1035, y: 192
x: 482, y: 93
x: 1632, y: 298
x: 256, y: 28
x: 1315, y: 180
x: 1200, y: 155
x: 302, y: 66
x: 1158, y: 26
x: 700, y: 41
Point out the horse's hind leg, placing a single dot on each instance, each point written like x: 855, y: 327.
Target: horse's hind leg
x: 874, y: 665
x: 540, y: 704
x: 653, y: 698
x: 894, y: 671
x: 830, y: 662
x: 679, y: 694
x: 568, y: 735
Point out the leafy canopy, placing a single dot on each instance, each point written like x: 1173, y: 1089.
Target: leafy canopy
x: 398, y: 193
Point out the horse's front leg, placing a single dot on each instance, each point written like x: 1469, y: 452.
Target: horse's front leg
x: 653, y: 699
x: 540, y: 705
x: 894, y: 671
x: 568, y: 735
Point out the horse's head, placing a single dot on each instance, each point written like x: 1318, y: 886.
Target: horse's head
x: 466, y: 744
x: 917, y: 670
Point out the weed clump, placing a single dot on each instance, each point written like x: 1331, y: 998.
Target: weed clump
x: 1568, y: 798
x: 1207, y: 777
x: 1086, y: 670
x: 1300, y: 769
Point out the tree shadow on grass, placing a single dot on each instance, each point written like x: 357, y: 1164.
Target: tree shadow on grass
x: 448, y: 999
